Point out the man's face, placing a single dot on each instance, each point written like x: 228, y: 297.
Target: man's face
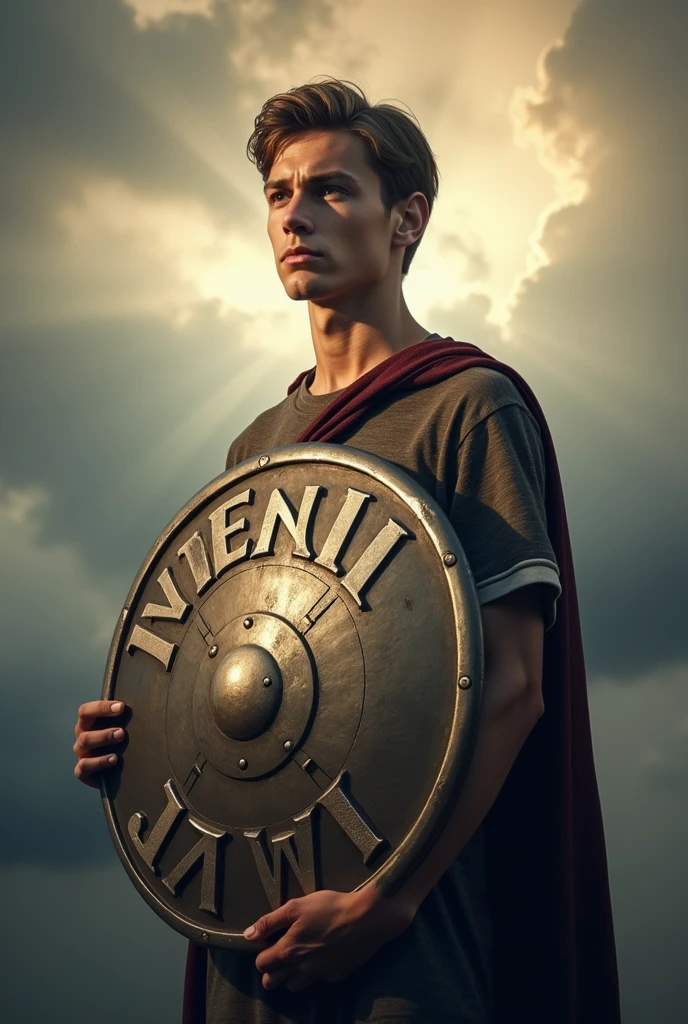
x: 323, y: 194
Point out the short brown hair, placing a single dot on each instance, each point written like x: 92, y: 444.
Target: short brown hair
x: 399, y: 152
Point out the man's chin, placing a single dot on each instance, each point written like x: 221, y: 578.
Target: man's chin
x: 308, y: 286
x: 319, y: 288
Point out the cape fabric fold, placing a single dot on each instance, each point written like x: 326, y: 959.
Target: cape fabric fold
x: 545, y: 851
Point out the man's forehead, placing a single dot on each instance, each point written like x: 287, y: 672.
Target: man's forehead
x: 316, y: 153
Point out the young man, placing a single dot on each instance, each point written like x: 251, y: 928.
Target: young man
x: 349, y: 190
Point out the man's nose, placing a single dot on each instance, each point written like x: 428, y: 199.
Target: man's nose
x: 297, y: 215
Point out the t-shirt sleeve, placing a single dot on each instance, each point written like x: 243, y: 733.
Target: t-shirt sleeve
x: 233, y: 457
x: 498, y: 508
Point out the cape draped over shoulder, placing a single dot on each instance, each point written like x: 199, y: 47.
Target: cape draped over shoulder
x: 546, y: 863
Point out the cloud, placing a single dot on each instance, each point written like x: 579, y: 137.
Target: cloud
x: 111, y: 97
x: 121, y: 242
x: 668, y: 768
x: 119, y: 430
x: 600, y: 325
x: 665, y: 759
x: 169, y: 106
x: 27, y: 558
x: 654, y: 744
x: 151, y: 12
x: 329, y: 41
x: 640, y: 758
x: 159, y: 109
x: 54, y: 634
x: 476, y: 265
x: 89, y: 404
x: 71, y: 922
x: 19, y: 507
x: 466, y: 319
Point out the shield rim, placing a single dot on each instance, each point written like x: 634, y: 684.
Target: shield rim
x: 403, y: 861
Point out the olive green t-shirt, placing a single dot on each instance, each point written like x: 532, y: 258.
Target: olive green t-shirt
x: 472, y: 443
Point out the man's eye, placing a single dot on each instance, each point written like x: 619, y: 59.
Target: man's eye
x: 276, y: 197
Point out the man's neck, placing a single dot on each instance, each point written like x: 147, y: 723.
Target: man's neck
x: 350, y: 341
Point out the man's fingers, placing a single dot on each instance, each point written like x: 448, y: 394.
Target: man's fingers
x: 88, y: 739
x: 275, y: 957
x: 277, y: 977
x: 87, y: 767
x: 94, y: 709
x: 283, y: 917
x: 97, y: 738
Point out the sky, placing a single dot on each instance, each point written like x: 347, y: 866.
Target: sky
x: 143, y: 326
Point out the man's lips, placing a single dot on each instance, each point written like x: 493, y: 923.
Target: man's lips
x: 302, y: 257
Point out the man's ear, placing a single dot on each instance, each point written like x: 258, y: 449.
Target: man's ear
x: 413, y: 216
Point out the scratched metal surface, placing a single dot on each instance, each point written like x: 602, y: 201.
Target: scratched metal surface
x: 301, y: 657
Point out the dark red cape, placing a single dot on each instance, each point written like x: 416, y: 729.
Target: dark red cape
x: 546, y: 859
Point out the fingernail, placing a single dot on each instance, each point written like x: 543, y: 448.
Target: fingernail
x: 250, y: 932
x: 116, y: 707
x: 112, y: 758
x: 118, y: 734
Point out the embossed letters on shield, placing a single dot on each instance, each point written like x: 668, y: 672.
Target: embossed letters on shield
x: 206, y: 569
x: 290, y: 655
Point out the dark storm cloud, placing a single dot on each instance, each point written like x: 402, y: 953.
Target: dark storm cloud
x: 668, y: 768
x: 86, y: 403
x: 52, y: 643
x: 102, y: 951
x: 69, y: 77
x: 603, y: 326
x: 637, y: 733
x: 81, y: 89
x: 84, y: 414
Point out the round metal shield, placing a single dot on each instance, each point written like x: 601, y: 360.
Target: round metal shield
x: 301, y: 656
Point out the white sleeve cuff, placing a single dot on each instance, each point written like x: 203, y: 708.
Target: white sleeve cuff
x: 532, y: 570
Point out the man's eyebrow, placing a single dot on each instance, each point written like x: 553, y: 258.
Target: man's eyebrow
x: 314, y: 179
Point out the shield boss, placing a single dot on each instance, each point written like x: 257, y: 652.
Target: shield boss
x: 301, y: 655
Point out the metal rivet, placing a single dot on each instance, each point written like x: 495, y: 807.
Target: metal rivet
x: 243, y: 763
x: 449, y: 558
x: 267, y: 681
x: 248, y: 623
x: 465, y: 683
x: 263, y: 460
x: 287, y: 744
x: 212, y: 651
x: 205, y: 936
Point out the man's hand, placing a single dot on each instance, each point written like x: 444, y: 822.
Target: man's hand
x: 329, y: 934
x: 89, y: 762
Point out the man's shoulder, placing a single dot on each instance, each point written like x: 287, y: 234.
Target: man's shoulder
x: 464, y: 398
x: 484, y: 387
x: 259, y: 435
x: 461, y: 401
